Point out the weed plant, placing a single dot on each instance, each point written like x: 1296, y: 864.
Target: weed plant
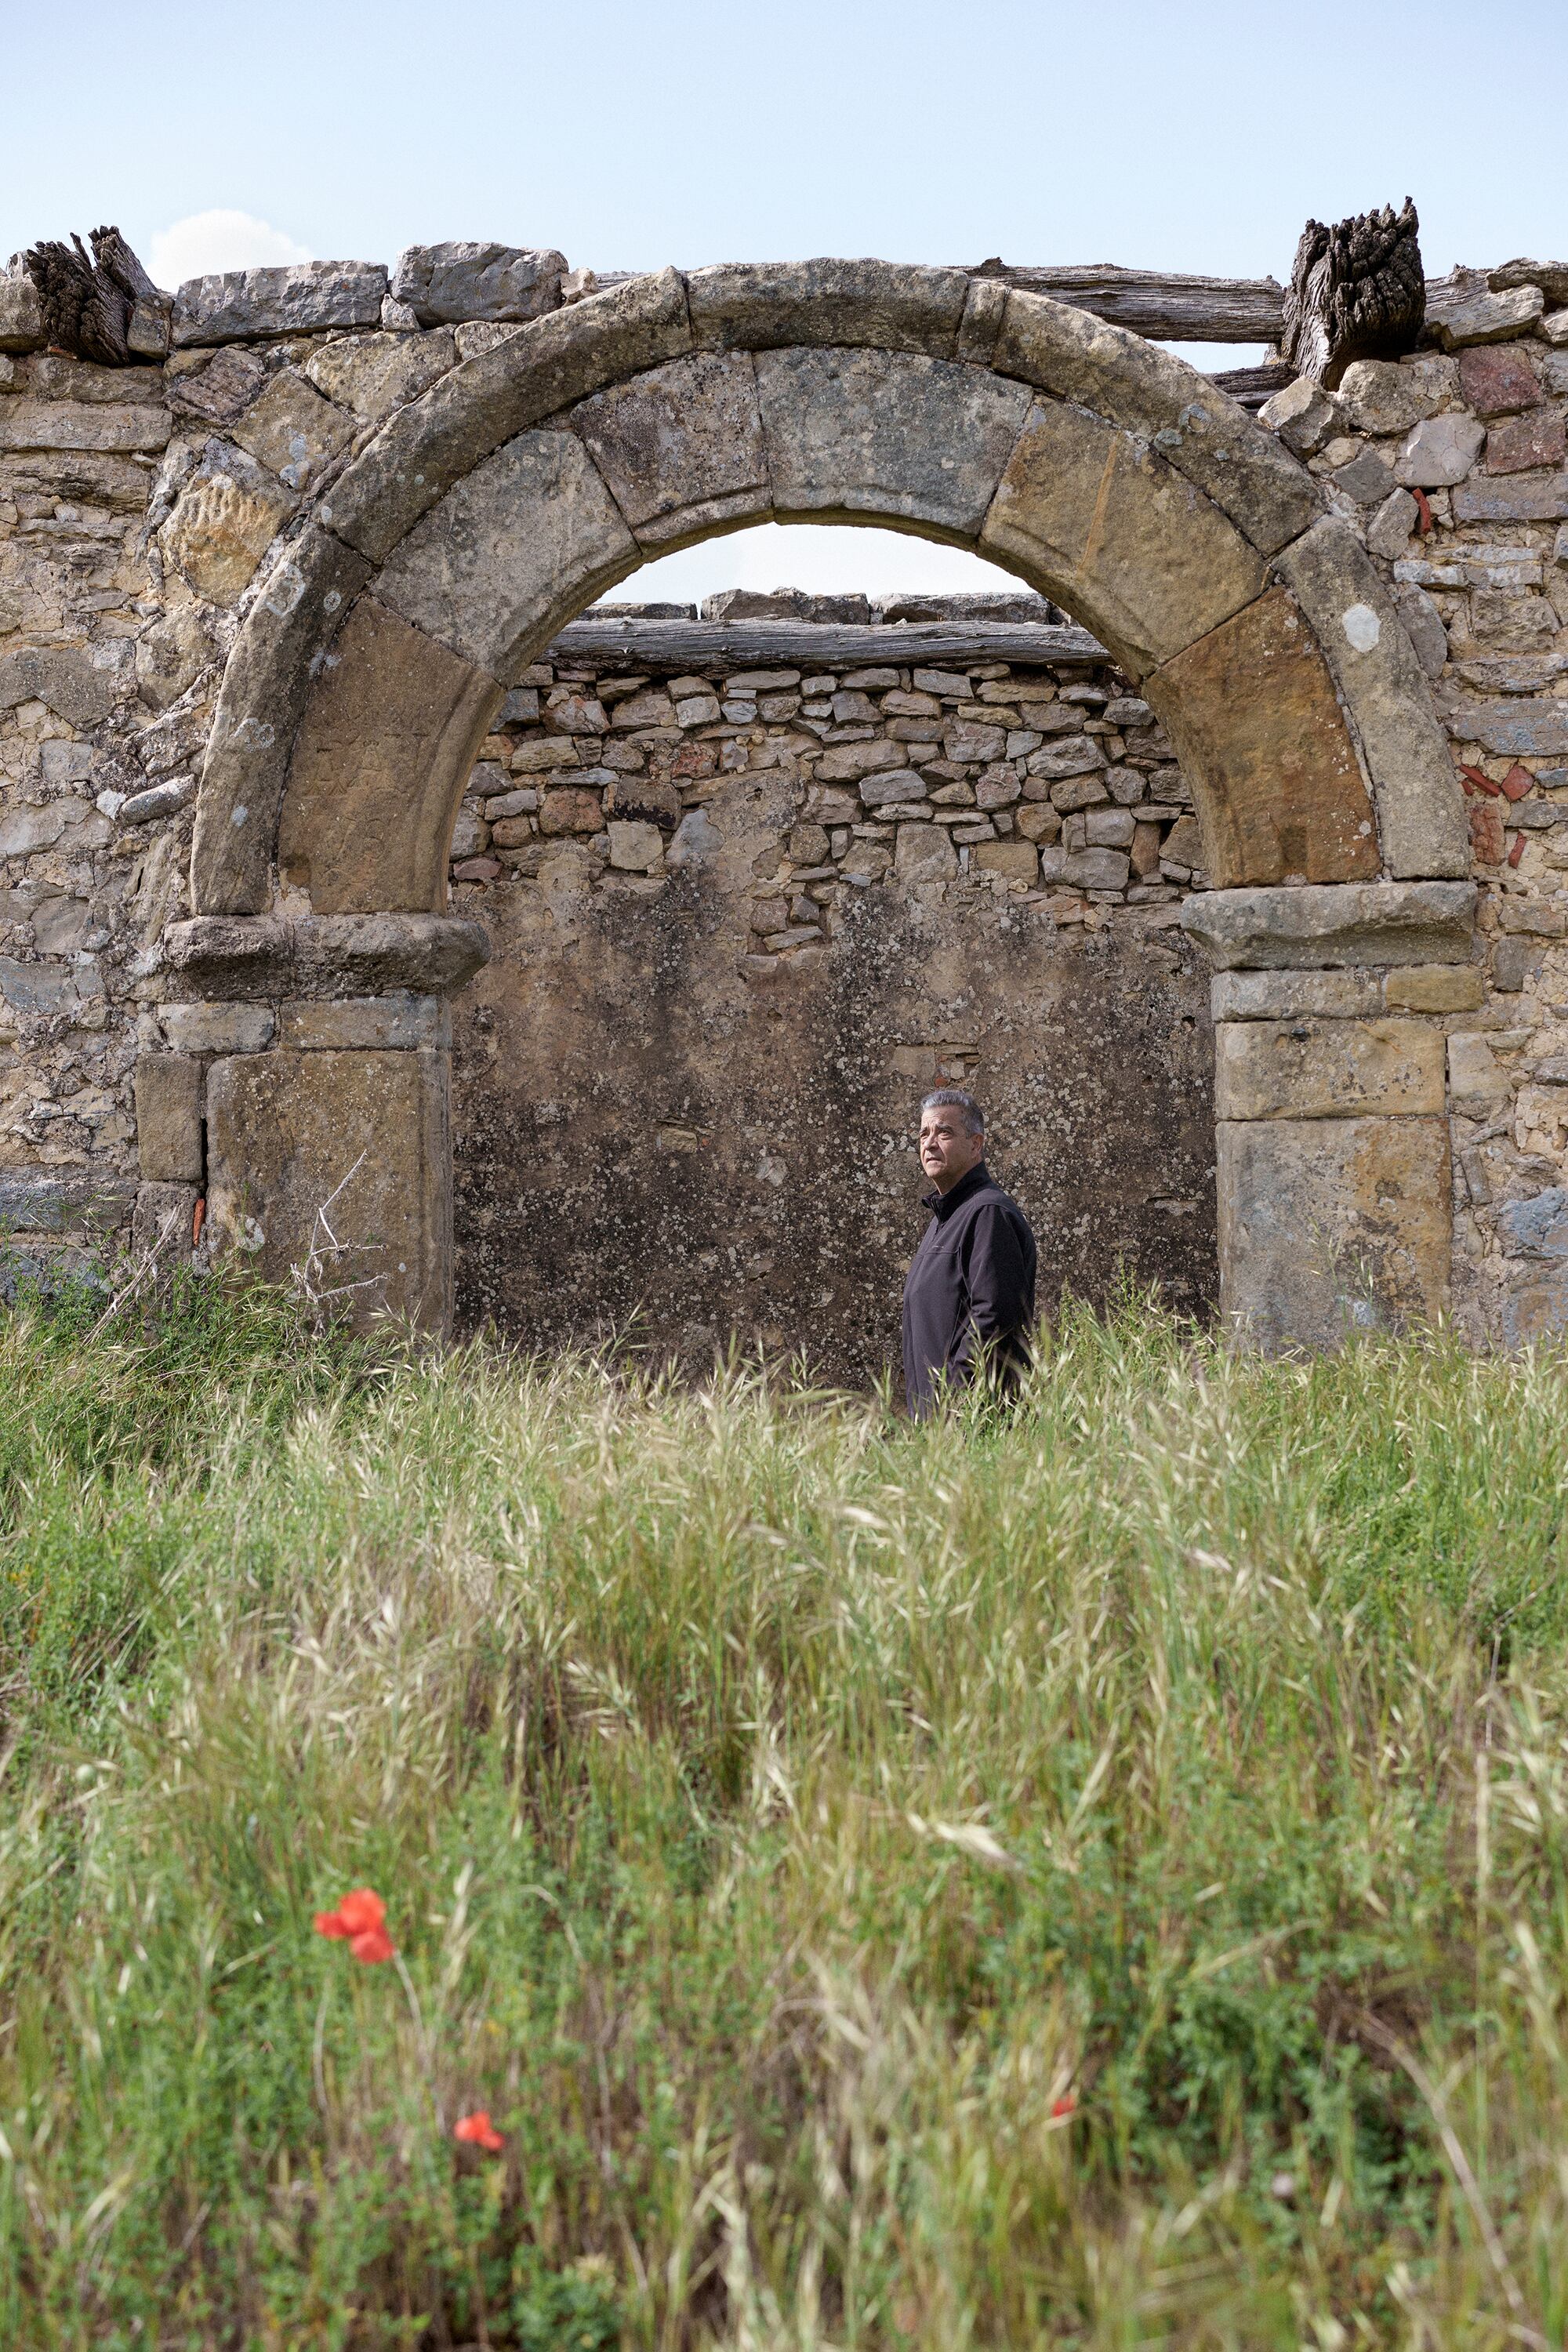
x: 1096, y: 1876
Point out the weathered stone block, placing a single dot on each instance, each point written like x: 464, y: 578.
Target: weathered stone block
x: 681, y: 447
x: 1498, y: 379
x: 266, y: 956
x: 924, y: 854
x: 1533, y: 728
x: 163, y: 1222
x: 1477, y: 1081
x: 379, y: 762
x: 512, y: 552
x: 373, y: 374
x: 1466, y: 313
x: 1420, y: 809
x: 81, y: 424
x: 1517, y: 444
x: 572, y: 811
x: 537, y: 371
x: 1014, y: 861
x: 1157, y: 399
x: 1303, y: 415
x: 290, y: 1132
x: 1360, y: 924
x: 1381, y: 396
x: 397, y: 1023
x: 1436, y: 988
x: 225, y: 521
x: 169, y: 1117
x: 1330, y: 1227
x: 170, y: 657
x: 1534, y: 498
x: 868, y: 433
x: 442, y: 283
x: 294, y: 431
x: 883, y: 305
x: 215, y: 1028
x: 1439, y: 452
x: 1252, y: 711
x: 1295, y: 995
x: 636, y: 847
x: 239, y: 305
x: 1336, y: 1068
x: 1133, y: 548
x: 71, y: 683
x: 21, y: 320
x: 1097, y: 869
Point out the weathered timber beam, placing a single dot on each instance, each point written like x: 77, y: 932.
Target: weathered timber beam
x: 791, y: 644
x: 1252, y: 386
x: 1167, y: 309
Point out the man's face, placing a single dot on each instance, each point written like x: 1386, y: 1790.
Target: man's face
x: 947, y: 1149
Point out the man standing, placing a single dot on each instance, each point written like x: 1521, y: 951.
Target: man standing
x: 969, y: 1296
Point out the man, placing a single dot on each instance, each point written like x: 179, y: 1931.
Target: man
x: 969, y: 1296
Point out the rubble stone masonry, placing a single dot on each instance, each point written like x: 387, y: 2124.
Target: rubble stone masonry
x: 742, y: 916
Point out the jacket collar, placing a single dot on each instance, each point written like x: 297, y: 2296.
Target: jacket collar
x: 943, y: 1204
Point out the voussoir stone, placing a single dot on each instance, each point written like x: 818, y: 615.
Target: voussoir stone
x: 1335, y: 1068
x: 512, y: 552
x: 1130, y: 547
x: 886, y: 305
x: 1420, y: 812
x: 384, y: 750
x: 543, y: 367
x: 893, y: 434
x: 1252, y: 711
x: 302, y: 298
x: 681, y: 447
x: 1332, y: 1226
x: 269, y: 674
x: 1198, y: 429
x: 444, y: 283
x: 1356, y: 924
x: 374, y: 373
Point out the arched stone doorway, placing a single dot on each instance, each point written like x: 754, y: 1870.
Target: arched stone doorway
x: 1102, y: 471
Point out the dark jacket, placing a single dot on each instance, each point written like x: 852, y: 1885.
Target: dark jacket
x: 970, y: 1287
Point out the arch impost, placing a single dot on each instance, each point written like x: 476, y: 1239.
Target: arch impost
x: 1334, y: 924
x: 268, y: 957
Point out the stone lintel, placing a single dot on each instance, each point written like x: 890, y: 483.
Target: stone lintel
x: 271, y: 956
x: 1353, y: 923
x: 1327, y: 1069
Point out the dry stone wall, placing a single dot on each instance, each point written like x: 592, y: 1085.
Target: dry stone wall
x: 878, y: 822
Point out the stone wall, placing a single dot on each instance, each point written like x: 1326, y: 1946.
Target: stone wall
x: 912, y: 874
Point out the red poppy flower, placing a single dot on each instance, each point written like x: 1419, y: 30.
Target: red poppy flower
x: 375, y: 1945
x: 358, y: 1919
x: 1065, y: 2105
x: 478, y: 2128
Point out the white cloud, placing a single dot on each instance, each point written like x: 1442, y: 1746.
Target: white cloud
x: 204, y: 243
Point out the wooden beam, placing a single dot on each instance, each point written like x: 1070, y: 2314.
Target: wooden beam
x: 1166, y: 307
x: 730, y: 646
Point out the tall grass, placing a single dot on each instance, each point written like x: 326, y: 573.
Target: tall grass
x: 1096, y: 1877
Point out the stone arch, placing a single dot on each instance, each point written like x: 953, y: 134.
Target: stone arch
x: 488, y: 513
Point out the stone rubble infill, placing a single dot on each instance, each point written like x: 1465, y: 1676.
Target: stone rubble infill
x: 1047, y: 782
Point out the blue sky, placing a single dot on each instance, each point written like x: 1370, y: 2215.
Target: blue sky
x: 1197, y: 136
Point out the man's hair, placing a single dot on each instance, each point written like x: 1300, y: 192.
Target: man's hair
x: 954, y: 1098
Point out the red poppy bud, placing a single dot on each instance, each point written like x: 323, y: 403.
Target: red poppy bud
x: 478, y: 2128
x: 1065, y: 2105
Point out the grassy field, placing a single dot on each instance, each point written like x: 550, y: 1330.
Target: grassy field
x: 1098, y: 1879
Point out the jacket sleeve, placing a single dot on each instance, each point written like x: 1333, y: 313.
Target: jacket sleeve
x: 994, y: 1276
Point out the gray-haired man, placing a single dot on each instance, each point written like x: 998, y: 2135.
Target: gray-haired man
x: 969, y: 1296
